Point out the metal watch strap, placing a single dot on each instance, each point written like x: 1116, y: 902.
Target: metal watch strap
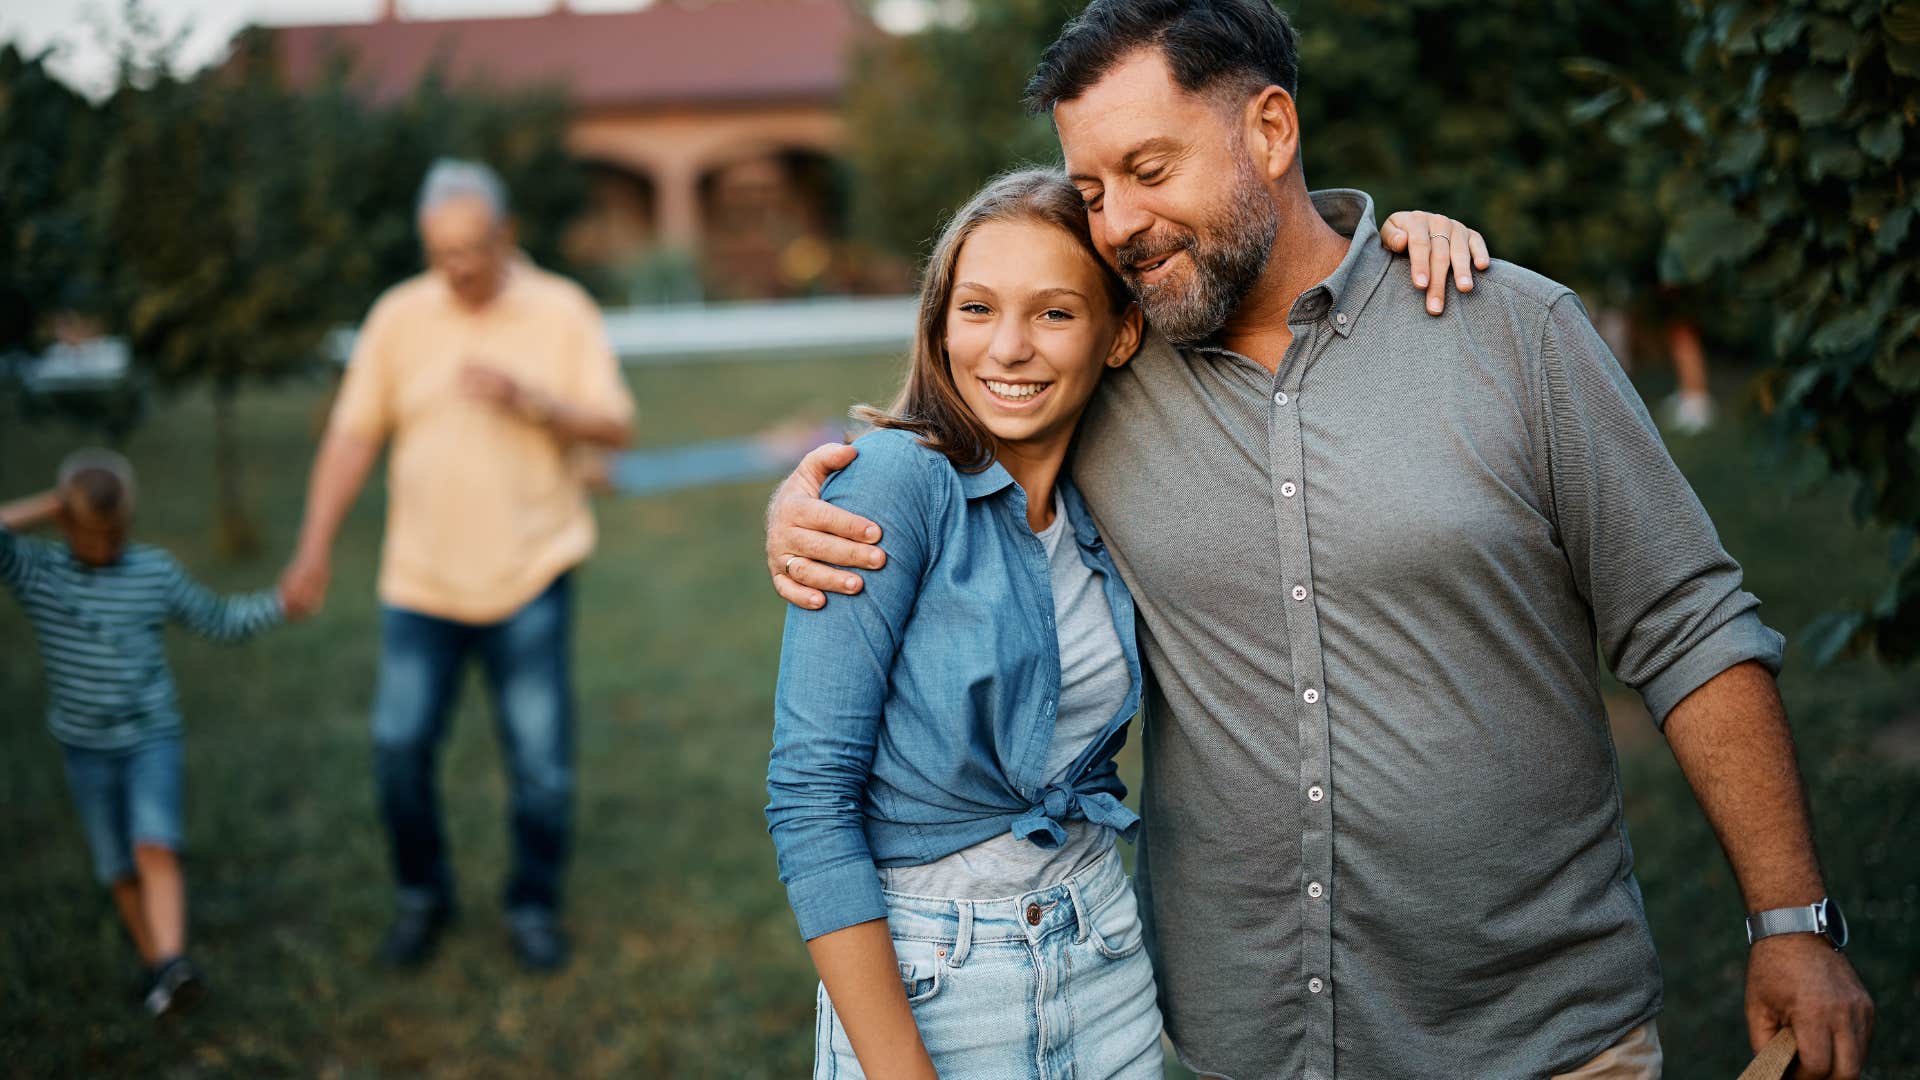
x: 1793, y: 920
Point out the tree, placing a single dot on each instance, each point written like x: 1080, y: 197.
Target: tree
x: 1795, y: 152
x: 932, y: 115
x: 47, y: 259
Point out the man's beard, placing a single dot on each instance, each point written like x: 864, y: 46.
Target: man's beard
x: 1228, y: 255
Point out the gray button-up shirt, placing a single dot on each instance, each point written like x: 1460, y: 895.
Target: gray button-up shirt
x: 1384, y: 835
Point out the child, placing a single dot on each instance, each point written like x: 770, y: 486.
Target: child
x: 97, y: 604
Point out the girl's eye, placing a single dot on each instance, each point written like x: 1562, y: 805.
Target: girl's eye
x: 1056, y: 315
x: 974, y: 307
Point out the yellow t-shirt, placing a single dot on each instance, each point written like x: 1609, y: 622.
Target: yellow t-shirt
x: 484, y: 509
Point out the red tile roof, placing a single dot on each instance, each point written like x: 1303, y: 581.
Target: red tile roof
x: 687, y: 52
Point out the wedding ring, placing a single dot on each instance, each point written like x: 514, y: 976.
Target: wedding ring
x: 787, y: 567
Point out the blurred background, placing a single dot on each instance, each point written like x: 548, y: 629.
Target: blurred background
x: 198, y: 201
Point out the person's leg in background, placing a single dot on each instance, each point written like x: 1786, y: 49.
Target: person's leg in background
x: 97, y: 781
x: 420, y: 659
x: 529, y: 669
x: 155, y: 771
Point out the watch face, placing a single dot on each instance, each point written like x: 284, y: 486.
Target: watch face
x: 1834, y: 923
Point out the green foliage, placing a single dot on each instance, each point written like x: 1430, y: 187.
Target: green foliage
x: 48, y: 139
x: 1468, y: 108
x: 1793, y: 150
x: 933, y: 115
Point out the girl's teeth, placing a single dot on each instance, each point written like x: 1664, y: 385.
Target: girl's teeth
x: 1017, y: 392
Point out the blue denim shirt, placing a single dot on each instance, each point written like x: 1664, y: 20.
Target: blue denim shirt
x: 914, y: 719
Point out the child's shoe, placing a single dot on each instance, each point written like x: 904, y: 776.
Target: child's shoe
x: 176, y: 988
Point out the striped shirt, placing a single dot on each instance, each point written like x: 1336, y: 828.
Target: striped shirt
x: 108, y: 684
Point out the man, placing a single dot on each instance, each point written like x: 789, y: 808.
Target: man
x: 1375, y: 554
x: 488, y: 375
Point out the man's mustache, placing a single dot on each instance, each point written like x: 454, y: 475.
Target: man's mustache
x: 1148, y: 250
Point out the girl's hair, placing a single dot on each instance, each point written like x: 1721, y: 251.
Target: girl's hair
x: 930, y: 404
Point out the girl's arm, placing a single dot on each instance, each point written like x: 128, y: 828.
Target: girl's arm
x: 862, y: 975
x: 835, y: 669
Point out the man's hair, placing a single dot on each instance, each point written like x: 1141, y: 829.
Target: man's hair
x: 451, y: 178
x: 1213, y: 46
x: 100, y: 481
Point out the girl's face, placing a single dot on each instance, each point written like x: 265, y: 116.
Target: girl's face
x: 1029, y: 331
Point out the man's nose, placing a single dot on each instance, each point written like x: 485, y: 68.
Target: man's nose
x: 1121, y: 220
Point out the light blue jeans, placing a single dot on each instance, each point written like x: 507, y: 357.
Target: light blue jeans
x: 1052, y: 985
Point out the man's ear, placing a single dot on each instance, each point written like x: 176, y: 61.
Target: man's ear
x: 510, y: 232
x: 1274, y: 135
x: 1126, y: 341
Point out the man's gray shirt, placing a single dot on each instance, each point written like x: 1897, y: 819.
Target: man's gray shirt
x: 1383, y: 828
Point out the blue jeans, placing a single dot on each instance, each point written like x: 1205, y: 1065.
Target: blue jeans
x: 525, y: 658
x: 126, y: 797
x: 1052, y: 984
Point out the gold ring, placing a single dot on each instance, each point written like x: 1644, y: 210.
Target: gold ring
x: 787, y: 567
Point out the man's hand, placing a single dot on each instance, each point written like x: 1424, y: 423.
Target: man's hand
x: 497, y: 388
x: 1436, y: 245
x: 303, y: 585
x: 808, y: 539
x: 1800, y: 981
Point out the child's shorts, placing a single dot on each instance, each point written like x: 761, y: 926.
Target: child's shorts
x: 126, y: 797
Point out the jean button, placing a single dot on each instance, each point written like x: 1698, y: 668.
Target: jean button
x: 1033, y: 914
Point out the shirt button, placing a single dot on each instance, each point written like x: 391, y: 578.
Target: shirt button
x: 1299, y: 592
x: 1033, y: 914
x: 1314, y: 985
x: 1287, y: 489
x: 1314, y: 794
x: 1280, y: 398
x: 1341, y: 318
x: 1314, y: 890
x: 1310, y: 696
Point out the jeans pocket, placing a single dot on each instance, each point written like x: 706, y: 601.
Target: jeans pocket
x: 1116, y: 932
x: 922, y: 968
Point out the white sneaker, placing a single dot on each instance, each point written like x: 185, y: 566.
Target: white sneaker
x: 1688, y: 414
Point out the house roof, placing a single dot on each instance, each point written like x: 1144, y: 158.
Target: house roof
x: 673, y: 52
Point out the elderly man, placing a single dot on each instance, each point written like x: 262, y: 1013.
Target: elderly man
x: 487, y: 374
x: 1375, y: 556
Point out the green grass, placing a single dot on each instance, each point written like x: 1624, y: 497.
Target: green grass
x: 687, y: 963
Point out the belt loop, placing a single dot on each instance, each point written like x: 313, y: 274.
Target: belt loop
x: 1079, y: 911
x: 963, y: 939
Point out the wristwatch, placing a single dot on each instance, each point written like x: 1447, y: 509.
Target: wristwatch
x: 1824, y: 918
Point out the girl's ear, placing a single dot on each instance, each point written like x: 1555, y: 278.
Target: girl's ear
x: 1126, y: 341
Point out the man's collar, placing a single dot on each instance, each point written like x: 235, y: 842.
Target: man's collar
x: 1345, y: 291
x: 1341, y: 295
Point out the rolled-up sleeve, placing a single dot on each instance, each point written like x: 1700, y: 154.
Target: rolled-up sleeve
x: 1668, y: 606
x: 835, y: 668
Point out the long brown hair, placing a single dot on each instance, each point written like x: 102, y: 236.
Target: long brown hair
x: 930, y: 404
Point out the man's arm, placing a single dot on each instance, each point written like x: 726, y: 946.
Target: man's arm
x: 1674, y: 623
x: 810, y: 540
x: 1732, y: 741
x: 339, y: 472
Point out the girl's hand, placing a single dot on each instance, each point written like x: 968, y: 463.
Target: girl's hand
x: 1436, y: 244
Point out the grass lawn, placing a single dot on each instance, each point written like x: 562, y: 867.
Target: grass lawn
x: 687, y: 963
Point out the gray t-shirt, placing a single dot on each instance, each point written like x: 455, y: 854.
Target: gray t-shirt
x: 1093, y: 683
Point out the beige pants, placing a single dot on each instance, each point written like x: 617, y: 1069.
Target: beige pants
x: 1635, y: 1057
